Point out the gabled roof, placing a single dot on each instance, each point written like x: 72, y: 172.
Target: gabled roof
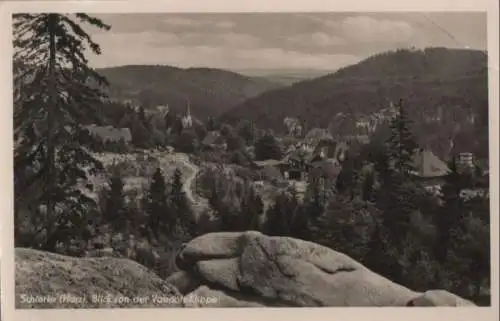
x: 428, y: 165
x: 268, y: 163
x: 297, y: 155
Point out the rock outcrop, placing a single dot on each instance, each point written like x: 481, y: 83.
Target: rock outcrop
x: 243, y: 269
x: 251, y: 269
x: 48, y: 280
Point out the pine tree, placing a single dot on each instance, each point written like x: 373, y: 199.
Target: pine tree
x: 212, y: 124
x: 187, y: 142
x: 450, y: 212
x: 115, y: 212
x: 347, y: 180
x: 142, y: 117
x: 401, y: 143
x: 246, y: 129
x: 55, y: 99
x: 368, y: 191
x: 157, y: 208
x: 185, y: 224
x: 251, y: 208
x: 278, y: 217
x: 140, y: 134
x: 267, y: 147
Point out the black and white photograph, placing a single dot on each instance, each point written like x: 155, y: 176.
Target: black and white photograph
x: 251, y: 160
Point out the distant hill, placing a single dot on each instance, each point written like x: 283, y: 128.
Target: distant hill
x: 210, y: 91
x: 285, y: 77
x: 444, y: 90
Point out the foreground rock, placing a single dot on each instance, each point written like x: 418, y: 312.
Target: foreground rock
x: 47, y: 280
x: 435, y: 298
x: 250, y: 269
x: 246, y: 269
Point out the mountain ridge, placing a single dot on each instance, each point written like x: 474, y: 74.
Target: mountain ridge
x: 454, y: 81
x: 209, y: 91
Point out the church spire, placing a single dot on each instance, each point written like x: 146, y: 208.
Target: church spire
x: 187, y: 121
x: 188, y: 108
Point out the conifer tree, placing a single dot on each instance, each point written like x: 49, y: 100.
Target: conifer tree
x: 401, y: 143
x: 368, y: 191
x: 267, y: 147
x: 157, y: 207
x: 185, y: 225
x: 57, y: 93
x: 280, y: 216
x: 450, y: 212
x: 115, y: 212
x: 251, y: 207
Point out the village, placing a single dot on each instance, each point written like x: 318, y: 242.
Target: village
x: 315, y: 154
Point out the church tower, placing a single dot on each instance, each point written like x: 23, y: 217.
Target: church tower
x: 187, y: 121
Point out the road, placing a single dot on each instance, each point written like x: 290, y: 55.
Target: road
x: 198, y: 203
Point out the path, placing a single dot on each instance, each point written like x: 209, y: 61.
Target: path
x: 198, y: 203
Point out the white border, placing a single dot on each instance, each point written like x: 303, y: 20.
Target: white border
x: 117, y: 6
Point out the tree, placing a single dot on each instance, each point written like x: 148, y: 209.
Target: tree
x: 187, y: 142
x: 470, y: 254
x: 368, y: 189
x: 141, y: 113
x: 227, y: 130
x: 251, y: 208
x: 157, y: 207
x: 267, y: 147
x: 140, y: 135
x: 115, y: 212
x: 450, y: 212
x: 185, y: 225
x: 282, y: 217
x: 347, y: 180
x: 55, y: 98
x: 235, y: 142
x: 239, y: 158
x: 212, y: 124
x: 401, y: 143
x: 247, y: 131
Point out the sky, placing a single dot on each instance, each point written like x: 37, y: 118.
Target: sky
x: 318, y: 41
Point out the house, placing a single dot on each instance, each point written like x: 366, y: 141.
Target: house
x: 296, y: 165
x: 214, y: 140
x: 110, y: 133
x: 428, y: 167
x: 331, y: 150
x: 465, y: 160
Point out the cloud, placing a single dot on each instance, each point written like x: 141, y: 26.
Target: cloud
x: 319, y: 39
x: 145, y: 39
x: 237, y: 40
x: 225, y: 24
x: 368, y: 29
x: 200, y: 22
x: 230, y: 53
x: 226, y: 39
x: 182, y: 22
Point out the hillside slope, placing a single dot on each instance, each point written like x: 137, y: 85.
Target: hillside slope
x: 210, y: 91
x: 445, y: 91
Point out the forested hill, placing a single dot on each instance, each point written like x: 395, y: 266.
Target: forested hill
x: 210, y: 91
x: 452, y: 82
